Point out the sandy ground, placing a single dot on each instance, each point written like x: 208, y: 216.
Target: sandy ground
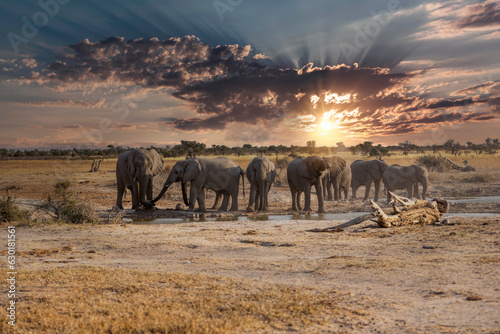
x: 416, y: 279
x: 442, y: 278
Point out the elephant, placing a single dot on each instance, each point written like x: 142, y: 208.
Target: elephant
x: 219, y: 174
x: 260, y: 173
x: 406, y: 177
x: 135, y: 170
x: 336, y: 178
x: 302, y: 174
x: 365, y: 173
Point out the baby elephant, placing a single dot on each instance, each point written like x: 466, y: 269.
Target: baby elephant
x: 406, y: 177
x: 260, y: 174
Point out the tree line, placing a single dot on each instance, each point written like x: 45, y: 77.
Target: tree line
x: 188, y: 148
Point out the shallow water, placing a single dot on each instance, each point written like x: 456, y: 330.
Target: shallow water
x: 316, y: 217
x: 485, y: 199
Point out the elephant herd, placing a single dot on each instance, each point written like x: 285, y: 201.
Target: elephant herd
x: 136, y: 168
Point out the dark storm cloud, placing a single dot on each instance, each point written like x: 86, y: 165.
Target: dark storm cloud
x: 480, y: 15
x: 226, y: 84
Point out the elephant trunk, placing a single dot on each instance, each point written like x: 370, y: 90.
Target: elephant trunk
x: 143, y: 182
x: 184, y: 193
x: 242, y: 180
x: 162, y: 192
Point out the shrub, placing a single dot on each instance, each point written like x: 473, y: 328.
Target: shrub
x: 9, y: 211
x: 65, y: 208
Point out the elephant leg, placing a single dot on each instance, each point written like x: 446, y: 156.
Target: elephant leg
x: 336, y: 190
x: 149, y: 190
x: 368, y: 186
x: 201, y: 201
x: 217, y: 201
x: 294, y: 192
x: 354, y: 188
x: 135, y: 195
x: 331, y: 194
x: 387, y: 189
x: 257, y: 197
x: 252, y: 198
x: 262, y: 194
x: 257, y: 200
x: 377, y: 190
x: 299, y: 207
x: 266, y: 196
x: 234, y: 200
x: 415, y: 191
x: 307, y: 196
x: 409, y: 190
x: 225, y: 201
x: 119, y: 196
x: 193, y: 197
x: 319, y: 194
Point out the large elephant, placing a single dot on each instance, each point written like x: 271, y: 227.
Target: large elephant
x: 302, y: 174
x: 406, y: 177
x: 335, y: 177
x: 135, y: 170
x: 365, y: 173
x: 219, y: 174
x: 260, y: 173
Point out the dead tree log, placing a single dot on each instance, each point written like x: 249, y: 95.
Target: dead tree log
x: 404, y: 211
x: 95, y: 165
x: 412, y: 211
x: 460, y: 167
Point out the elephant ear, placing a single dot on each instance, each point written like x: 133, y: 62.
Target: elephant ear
x: 250, y: 172
x: 191, y: 171
x: 421, y: 172
x: 337, y: 166
x: 375, y: 169
x: 130, y: 162
x: 157, y: 163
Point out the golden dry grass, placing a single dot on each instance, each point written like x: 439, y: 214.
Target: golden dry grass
x: 95, y: 300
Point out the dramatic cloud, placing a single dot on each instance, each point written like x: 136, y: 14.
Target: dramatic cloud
x: 227, y: 85
x: 63, y: 103
x: 480, y: 15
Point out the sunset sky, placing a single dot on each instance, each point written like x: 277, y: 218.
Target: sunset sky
x: 140, y: 73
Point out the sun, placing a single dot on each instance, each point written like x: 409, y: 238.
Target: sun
x: 326, y: 124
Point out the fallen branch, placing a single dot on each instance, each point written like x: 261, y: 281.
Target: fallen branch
x: 411, y: 211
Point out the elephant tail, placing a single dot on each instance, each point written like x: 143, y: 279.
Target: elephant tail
x: 242, y: 173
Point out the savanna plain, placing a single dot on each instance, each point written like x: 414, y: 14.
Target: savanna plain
x: 257, y: 273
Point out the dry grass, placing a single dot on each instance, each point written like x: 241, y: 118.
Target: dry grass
x: 92, y: 300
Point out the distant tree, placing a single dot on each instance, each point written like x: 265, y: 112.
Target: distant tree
x: 492, y: 145
x: 341, y: 147
x: 191, y: 148
x: 453, y: 147
x: 406, y: 147
x: 311, y: 146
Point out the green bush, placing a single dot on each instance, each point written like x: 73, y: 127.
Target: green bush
x: 66, y: 208
x: 9, y: 211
